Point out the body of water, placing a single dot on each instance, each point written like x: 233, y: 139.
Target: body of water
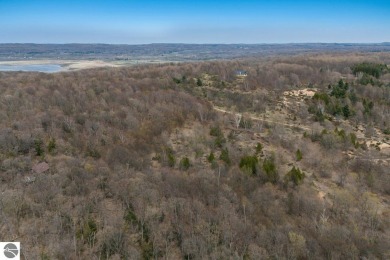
x: 48, y: 68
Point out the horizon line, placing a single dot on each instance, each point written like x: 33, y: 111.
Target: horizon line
x: 172, y: 43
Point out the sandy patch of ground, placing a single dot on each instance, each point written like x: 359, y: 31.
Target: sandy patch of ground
x: 384, y: 146
x: 371, y: 143
x: 321, y: 195
x: 301, y: 92
x: 360, y: 132
x: 285, y: 102
x: 381, y: 145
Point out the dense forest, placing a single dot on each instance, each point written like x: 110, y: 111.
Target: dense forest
x: 192, y: 161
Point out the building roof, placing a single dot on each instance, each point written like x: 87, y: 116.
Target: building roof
x: 241, y: 72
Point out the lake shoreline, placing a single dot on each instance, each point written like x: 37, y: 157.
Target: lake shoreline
x: 64, y: 65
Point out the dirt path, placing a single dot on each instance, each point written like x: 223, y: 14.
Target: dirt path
x: 263, y: 120
x: 363, y: 158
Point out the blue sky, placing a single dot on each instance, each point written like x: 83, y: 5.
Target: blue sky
x: 200, y: 21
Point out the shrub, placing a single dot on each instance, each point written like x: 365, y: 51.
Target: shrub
x: 93, y: 152
x: 298, y: 155
x: 80, y: 119
x: 386, y: 131
x: 368, y: 106
x: 245, y: 123
x: 366, y: 79
x: 66, y: 128
x: 130, y: 217
x: 166, y: 157
x: 346, y: 111
x: 318, y: 115
x: 199, y: 82
x: 269, y: 167
x: 353, y: 97
x: 185, y: 163
x: 219, y: 141
x: 88, y: 232
x: 322, y: 96
x: 225, y: 156
x: 353, y: 139
x: 216, y: 131
x: 38, y: 147
x: 295, y: 175
x: 334, y: 108
x: 211, y: 157
x: 51, y: 145
x: 340, y: 133
x: 171, y: 159
x: 340, y: 90
x: 249, y: 163
x: 176, y: 80
x: 259, y: 148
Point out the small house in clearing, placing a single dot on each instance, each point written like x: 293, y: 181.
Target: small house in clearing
x: 241, y: 73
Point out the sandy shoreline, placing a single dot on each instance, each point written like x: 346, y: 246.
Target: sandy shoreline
x: 65, y: 64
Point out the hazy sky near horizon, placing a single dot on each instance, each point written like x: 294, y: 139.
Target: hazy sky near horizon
x: 201, y: 21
